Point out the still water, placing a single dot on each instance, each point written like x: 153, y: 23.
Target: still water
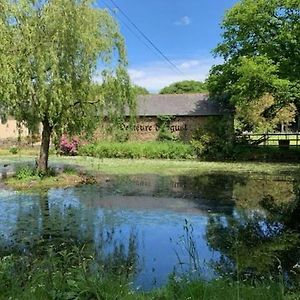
x: 202, y: 224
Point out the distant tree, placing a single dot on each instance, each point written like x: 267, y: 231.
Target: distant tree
x: 260, y: 49
x: 48, y: 53
x: 139, y: 90
x: 250, y: 117
x: 185, y: 87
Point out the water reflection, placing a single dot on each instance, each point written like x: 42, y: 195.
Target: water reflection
x: 257, y: 244
x: 135, y: 225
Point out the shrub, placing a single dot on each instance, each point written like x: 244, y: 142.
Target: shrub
x: 25, y: 172
x: 214, y: 140
x: 14, y: 150
x: 68, y: 146
x: 164, y: 133
x: 150, y: 150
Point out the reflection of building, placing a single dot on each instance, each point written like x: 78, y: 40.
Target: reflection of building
x: 187, y: 112
x: 180, y: 194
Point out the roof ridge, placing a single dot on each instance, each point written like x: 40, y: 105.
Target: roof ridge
x: 174, y: 95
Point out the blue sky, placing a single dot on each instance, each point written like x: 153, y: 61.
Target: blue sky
x: 184, y: 30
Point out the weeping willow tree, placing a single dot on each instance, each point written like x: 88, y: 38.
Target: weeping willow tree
x: 49, y: 53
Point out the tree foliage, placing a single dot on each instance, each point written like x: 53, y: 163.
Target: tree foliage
x: 183, y: 87
x: 49, y: 51
x: 261, y: 54
x: 139, y: 90
x: 250, y: 116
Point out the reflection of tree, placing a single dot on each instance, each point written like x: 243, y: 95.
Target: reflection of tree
x: 257, y: 244
x: 121, y: 260
x: 45, y: 227
x: 287, y: 214
x: 250, y: 191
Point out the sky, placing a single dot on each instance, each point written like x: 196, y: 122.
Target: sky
x: 185, y: 31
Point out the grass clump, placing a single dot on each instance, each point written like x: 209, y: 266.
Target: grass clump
x: 13, y: 150
x: 25, y: 172
x: 134, y: 150
x: 221, y: 289
x: 64, y: 274
x: 73, y: 274
x: 27, y: 177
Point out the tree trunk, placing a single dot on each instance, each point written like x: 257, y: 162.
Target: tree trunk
x: 42, y: 164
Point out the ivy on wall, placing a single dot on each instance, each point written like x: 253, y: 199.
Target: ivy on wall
x: 164, y: 131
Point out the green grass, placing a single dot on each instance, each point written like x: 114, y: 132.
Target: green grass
x: 21, y: 151
x: 37, y: 183
x: 26, y: 177
x: 221, y: 289
x: 151, y: 150
x: 162, y: 166
x: 175, y: 167
x: 72, y: 274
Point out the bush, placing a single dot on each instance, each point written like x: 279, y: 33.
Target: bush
x: 14, y: 150
x: 214, y: 140
x: 151, y: 150
x: 26, y: 172
x: 68, y: 146
x: 164, y: 133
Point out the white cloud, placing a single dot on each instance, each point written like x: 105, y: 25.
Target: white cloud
x: 136, y: 74
x: 183, y: 21
x: 159, y: 74
x: 189, y: 63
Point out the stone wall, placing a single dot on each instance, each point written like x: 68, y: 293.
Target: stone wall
x: 147, y: 128
x: 10, y: 130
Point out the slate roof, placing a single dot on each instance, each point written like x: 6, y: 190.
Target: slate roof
x: 177, y: 105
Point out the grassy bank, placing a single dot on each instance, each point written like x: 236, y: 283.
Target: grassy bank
x: 27, y: 178
x: 74, y: 275
x: 16, y: 150
x: 38, y: 183
x: 160, y: 166
x: 175, y: 167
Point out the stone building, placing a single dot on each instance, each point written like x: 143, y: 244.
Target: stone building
x: 11, y: 130
x: 186, y: 111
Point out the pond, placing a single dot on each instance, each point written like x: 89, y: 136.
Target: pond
x: 209, y: 225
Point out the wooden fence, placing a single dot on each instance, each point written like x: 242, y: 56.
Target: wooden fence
x: 273, y: 139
